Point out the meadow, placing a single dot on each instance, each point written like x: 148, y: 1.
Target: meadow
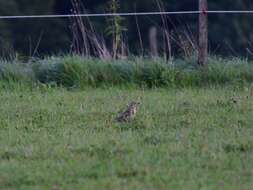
x: 193, y: 132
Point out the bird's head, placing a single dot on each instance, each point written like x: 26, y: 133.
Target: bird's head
x: 134, y: 104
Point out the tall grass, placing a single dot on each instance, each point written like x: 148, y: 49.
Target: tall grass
x: 79, y: 72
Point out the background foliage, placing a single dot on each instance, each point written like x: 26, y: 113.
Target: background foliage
x: 230, y: 35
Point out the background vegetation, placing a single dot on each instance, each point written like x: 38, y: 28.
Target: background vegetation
x: 75, y: 72
x: 230, y: 35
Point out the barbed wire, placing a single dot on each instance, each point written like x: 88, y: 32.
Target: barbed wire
x: 127, y: 14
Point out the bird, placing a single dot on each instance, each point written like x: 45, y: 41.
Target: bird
x: 129, y: 114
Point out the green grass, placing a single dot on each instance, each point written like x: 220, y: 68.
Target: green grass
x: 79, y: 72
x: 198, y: 138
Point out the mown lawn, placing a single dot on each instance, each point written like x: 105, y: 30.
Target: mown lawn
x: 181, y: 139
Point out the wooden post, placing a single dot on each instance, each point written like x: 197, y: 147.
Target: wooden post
x: 153, y: 42
x: 203, y: 33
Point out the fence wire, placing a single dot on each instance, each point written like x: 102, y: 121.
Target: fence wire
x: 127, y: 14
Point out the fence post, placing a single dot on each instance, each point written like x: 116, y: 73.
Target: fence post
x: 153, y: 42
x: 203, y: 33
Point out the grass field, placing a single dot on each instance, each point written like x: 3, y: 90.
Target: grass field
x: 201, y: 138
